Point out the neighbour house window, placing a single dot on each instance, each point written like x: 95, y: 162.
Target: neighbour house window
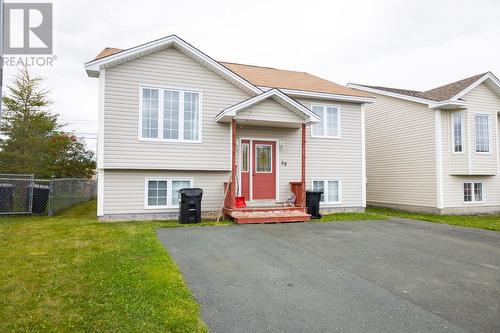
x: 164, y: 193
x: 329, y: 125
x: 457, y: 132
x: 482, y: 131
x: 473, y: 192
x: 170, y: 114
x: 330, y: 189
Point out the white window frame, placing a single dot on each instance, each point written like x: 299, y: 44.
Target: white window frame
x: 473, y: 201
x: 462, y: 117
x: 324, y: 120
x: 169, y: 181
x: 489, y: 134
x: 181, y: 92
x: 326, y: 180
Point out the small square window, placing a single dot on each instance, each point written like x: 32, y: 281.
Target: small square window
x: 473, y: 192
x: 330, y: 189
x: 164, y: 193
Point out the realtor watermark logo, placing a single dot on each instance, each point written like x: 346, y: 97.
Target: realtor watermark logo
x: 28, y: 30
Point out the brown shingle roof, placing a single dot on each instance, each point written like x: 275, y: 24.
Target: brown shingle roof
x: 285, y: 79
x: 447, y: 91
x: 107, y: 51
x: 439, y: 94
x: 275, y: 78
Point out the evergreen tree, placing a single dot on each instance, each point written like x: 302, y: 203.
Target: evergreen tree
x: 30, y: 139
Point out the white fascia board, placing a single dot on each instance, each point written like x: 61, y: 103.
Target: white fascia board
x: 298, y: 108
x: 93, y: 67
x: 321, y: 95
x: 448, y: 105
x: 487, y: 76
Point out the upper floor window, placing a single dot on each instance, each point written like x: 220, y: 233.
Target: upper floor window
x: 329, y: 125
x: 482, y: 131
x: 457, y: 132
x: 168, y: 114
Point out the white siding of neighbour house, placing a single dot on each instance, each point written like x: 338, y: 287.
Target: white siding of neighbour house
x: 480, y: 99
x: 483, y: 100
x: 168, y: 68
x: 401, y: 153
x: 455, y: 163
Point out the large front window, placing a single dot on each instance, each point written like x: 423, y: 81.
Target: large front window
x: 329, y: 125
x: 169, y: 114
x: 482, y: 131
x: 164, y: 192
x: 330, y: 189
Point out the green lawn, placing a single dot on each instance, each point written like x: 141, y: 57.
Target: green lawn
x: 340, y: 217
x: 488, y: 222
x: 71, y: 273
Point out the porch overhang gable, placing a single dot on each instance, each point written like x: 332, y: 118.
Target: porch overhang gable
x: 307, y: 116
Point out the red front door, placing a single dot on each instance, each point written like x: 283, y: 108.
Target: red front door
x: 263, y: 170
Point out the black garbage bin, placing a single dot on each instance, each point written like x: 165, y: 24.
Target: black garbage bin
x: 190, y: 205
x: 312, y: 203
x: 40, y: 199
x: 6, y: 198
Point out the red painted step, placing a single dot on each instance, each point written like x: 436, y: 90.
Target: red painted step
x: 270, y: 216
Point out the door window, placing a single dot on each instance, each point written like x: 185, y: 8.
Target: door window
x: 263, y: 155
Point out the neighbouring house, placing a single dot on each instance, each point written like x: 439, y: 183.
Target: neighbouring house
x: 172, y: 117
x: 435, y: 151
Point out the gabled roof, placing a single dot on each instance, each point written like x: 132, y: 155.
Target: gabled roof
x: 446, y: 92
x: 286, y: 79
x: 112, y: 56
x: 250, y: 78
x: 278, y: 96
x: 446, y: 95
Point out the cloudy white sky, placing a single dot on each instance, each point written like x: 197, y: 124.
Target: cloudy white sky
x: 414, y: 44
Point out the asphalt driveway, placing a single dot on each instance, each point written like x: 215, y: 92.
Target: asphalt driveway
x: 381, y: 276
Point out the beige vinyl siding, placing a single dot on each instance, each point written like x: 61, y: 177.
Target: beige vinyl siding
x: 328, y: 158
x: 289, y: 152
x: 480, y: 99
x: 483, y: 100
x: 269, y: 110
x: 401, y: 153
x: 168, y: 68
x: 455, y: 163
x: 124, y: 190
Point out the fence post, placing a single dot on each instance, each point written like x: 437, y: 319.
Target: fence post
x: 50, y: 211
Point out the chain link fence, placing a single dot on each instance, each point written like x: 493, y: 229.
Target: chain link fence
x: 16, y: 193
x: 22, y: 194
x: 68, y: 192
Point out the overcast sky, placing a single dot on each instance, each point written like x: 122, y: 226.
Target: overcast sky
x: 407, y: 44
